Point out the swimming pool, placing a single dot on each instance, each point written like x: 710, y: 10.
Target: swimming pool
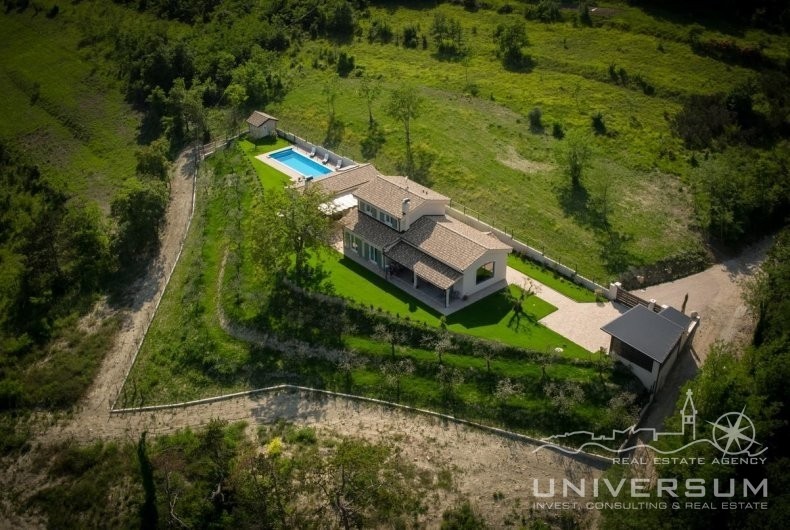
x: 300, y: 163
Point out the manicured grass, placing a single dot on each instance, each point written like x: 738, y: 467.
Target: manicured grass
x: 270, y: 178
x: 490, y: 318
x: 60, y: 110
x: 551, y: 279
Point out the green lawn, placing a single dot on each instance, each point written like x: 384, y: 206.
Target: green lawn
x: 551, y: 279
x: 491, y: 318
x: 270, y: 178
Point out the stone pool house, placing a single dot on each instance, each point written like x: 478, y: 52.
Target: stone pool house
x: 399, y: 229
x: 261, y: 125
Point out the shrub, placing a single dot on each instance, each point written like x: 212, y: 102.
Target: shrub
x: 545, y: 11
x: 53, y: 12
x: 410, y: 36
x: 598, y: 123
x: 380, y: 31
x: 345, y: 64
x: 535, y: 120
x: 505, y: 9
x: 557, y: 131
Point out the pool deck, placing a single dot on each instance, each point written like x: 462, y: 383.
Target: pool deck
x: 295, y: 176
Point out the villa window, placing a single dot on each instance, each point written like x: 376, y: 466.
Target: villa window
x: 485, y: 272
x: 370, y: 210
x: 388, y: 220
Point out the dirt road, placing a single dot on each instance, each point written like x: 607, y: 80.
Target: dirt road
x: 716, y: 294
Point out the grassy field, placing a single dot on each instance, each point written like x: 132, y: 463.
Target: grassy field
x: 551, y: 279
x: 486, y: 157
x: 60, y: 110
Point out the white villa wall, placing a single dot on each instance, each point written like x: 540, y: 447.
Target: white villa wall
x: 647, y: 378
x: 426, y: 208
x: 468, y: 284
x: 532, y: 253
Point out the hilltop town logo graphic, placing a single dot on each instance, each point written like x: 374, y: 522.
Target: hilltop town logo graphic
x: 732, y: 433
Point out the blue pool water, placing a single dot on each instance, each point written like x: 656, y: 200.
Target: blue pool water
x: 300, y: 163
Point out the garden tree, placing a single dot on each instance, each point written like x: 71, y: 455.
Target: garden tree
x: 702, y: 119
x: 449, y: 379
x: 575, y: 153
x: 395, y: 371
x: 82, y: 243
x: 545, y: 361
x: 440, y: 344
x: 510, y: 38
x: 602, y: 361
x: 506, y: 388
x: 138, y: 210
x: 369, y: 89
x: 338, y: 18
x: 487, y: 352
x: 405, y: 105
x: 565, y: 397
x: 152, y: 160
x: 448, y: 37
x: 391, y: 336
x: 290, y: 228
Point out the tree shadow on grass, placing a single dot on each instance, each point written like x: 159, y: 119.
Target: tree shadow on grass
x: 577, y: 203
x: 334, y: 133
x: 614, y: 251
x: 486, y: 312
x: 371, y: 143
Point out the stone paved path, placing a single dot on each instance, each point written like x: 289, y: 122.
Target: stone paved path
x: 579, y: 322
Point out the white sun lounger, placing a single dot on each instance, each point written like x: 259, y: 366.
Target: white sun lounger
x: 312, y: 153
x: 326, y: 158
x: 339, y: 163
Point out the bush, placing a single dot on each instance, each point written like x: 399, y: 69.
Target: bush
x: 53, y: 12
x: 345, y: 64
x: 380, y: 31
x: 557, y: 131
x: 598, y: 123
x: 535, y: 120
x: 545, y: 11
x: 411, y: 36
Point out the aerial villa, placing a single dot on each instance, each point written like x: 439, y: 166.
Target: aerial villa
x: 399, y: 229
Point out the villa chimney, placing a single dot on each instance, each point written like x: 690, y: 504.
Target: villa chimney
x: 405, y: 206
